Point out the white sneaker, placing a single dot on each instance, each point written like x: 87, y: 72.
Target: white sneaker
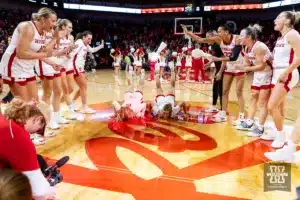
x: 87, y: 110
x: 279, y: 141
x: 239, y: 120
x: 211, y: 110
x: 220, y: 117
x: 72, y: 115
x: 37, y: 139
x: 286, y: 154
x: 49, y: 133
x: 245, y: 125
x: 60, y: 120
x: 53, y: 125
x: 256, y: 132
x: 74, y: 107
x: 270, y: 136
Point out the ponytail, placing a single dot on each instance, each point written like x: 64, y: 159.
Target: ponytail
x: 253, y: 31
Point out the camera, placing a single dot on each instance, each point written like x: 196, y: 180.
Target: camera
x: 52, y: 173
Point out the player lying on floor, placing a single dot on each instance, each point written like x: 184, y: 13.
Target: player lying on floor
x: 133, y: 105
x: 164, y: 105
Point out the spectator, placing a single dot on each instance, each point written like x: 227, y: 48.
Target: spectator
x: 14, y: 185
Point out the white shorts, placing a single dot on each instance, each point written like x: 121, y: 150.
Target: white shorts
x: 262, y: 80
x: 162, y: 64
x: 232, y: 70
x: 188, y: 64
x: 291, y: 82
x: 78, y: 70
x: 12, y: 67
x: 66, y: 63
x: 132, y: 97
x: 45, y: 71
x: 162, y: 100
x: 115, y: 64
x: 178, y: 64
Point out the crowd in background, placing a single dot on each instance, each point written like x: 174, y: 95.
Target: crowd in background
x: 130, y: 34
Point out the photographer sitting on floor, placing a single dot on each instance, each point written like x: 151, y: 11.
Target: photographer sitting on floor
x: 16, y: 148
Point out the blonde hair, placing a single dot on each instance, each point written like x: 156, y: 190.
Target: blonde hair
x: 62, y: 23
x: 43, y: 12
x: 293, y: 16
x: 20, y: 111
x: 14, y: 185
x: 253, y: 31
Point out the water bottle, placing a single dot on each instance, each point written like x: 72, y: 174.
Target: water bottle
x: 180, y: 117
x: 201, y: 117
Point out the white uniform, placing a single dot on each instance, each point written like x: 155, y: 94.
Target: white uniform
x: 261, y: 79
x: 43, y: 69
x: 162, y: 61
x: 18, y: 70
x: 188, y: 61
x: 79, y: 56
x: 138, y: 61
x: 178, y: 60
x: 135, y: 102
x: 283, y: 57
x: 63, y: 60
x: 161, y: 101
x: 230, y: 65
x: 117, y: 61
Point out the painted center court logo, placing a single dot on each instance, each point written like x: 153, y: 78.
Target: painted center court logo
x: 277, y: 176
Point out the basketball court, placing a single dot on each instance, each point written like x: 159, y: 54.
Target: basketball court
x: 162, y: 159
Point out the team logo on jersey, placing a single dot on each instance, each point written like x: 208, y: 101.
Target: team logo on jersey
x: 39, y: 41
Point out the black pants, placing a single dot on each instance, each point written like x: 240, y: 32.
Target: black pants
x: 218, y: 86
x: 42, y: 163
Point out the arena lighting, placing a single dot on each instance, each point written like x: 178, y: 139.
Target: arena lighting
x: 101, y: 8
x: 280, y: 3
x: 252, y: 6
x: 163, y: 10
x: 234, y: 7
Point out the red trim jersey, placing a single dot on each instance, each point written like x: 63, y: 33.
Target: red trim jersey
x: 12, y: 66
x: 18, y: 153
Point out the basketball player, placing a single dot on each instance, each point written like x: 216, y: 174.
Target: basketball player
x: 49, y: 73
x: 29, y: 44
x: 285, y: 77
x: 188, y: 64
x: 79, y: 56
x: 153, y: 58
x: 178, y: 64
x: 172, y: 60
x: 139, y: 55
x: 198, y: 57
x: 67, y: 72
x: 162, y: 63
x: 164, y: 105
x: 117, y: 58
x: 133, y: 105
x: 230, y: 46
x: 254, y: 61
